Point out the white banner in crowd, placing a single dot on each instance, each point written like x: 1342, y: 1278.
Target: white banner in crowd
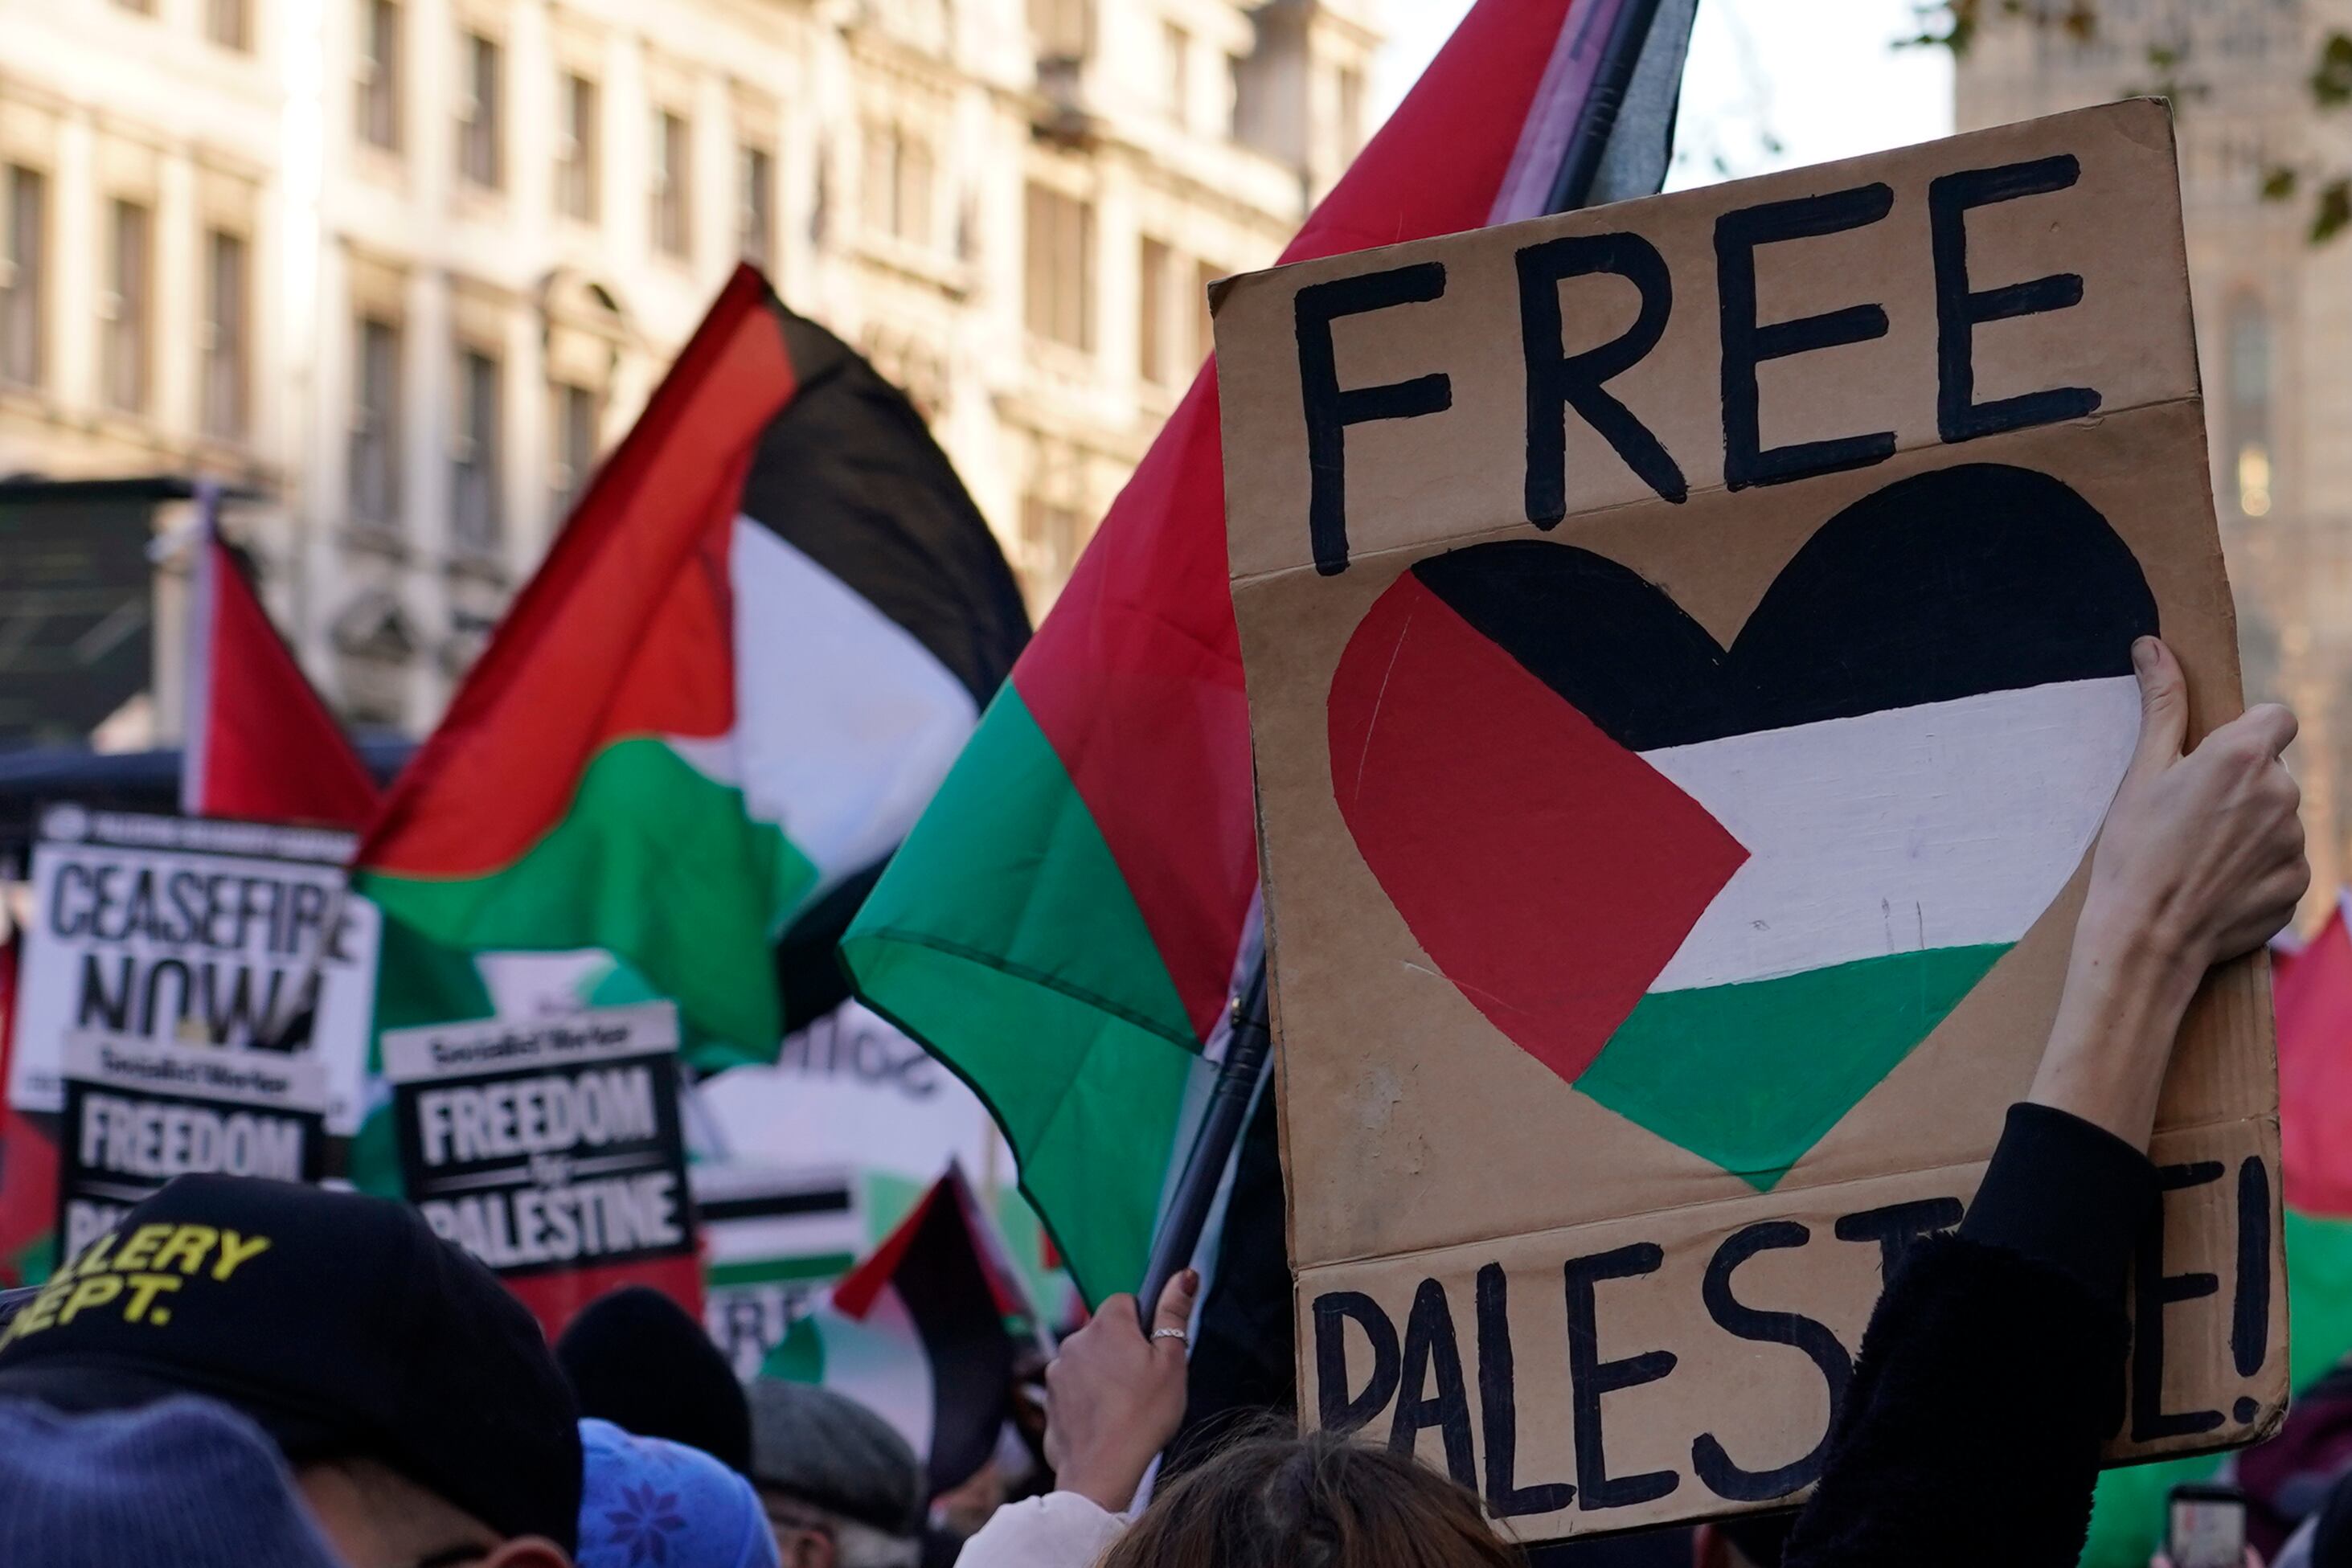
x: 234, y: 936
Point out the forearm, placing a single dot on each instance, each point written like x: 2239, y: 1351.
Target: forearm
x: 2127, y: 987
x: 1993, y: 1370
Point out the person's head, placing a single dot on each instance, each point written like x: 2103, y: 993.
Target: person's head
x: 841, y: 1488
x: 416, y: 1400
x: 644, y: 1500
x: 1317, y: 1502
x: 185, y: 1481
x: 637, y: 1359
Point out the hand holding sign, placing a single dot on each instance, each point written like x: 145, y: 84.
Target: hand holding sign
x: 2200, y: 860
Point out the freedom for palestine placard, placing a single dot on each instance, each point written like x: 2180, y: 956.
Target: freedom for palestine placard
x: 139, y: 1113
x: 550, y: 1149
x: 1688, y: 648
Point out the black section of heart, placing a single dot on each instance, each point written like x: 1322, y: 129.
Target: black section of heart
x: 1976, y: 579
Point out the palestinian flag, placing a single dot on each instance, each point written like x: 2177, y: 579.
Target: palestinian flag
x: 1778, y: 863
x: 749, y: 660
x: 1065, y: 925
x: 919, y: 1335
x: 260, y: 746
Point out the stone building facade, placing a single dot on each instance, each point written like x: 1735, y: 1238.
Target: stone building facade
x: 401, y: 269
x: 2273, y: 320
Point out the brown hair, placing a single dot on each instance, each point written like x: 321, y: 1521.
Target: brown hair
x: 1317, y: 1502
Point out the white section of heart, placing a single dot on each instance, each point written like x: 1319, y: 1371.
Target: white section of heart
x: 1947, y: 825
x: 845, y: 723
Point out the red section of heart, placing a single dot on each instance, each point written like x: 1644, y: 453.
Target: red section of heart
x: 1548, y: 872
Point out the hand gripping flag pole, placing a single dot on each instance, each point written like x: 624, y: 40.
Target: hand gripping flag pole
x: 1629, y: 73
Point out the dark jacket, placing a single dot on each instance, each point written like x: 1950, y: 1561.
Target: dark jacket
x: 1992, y: 1369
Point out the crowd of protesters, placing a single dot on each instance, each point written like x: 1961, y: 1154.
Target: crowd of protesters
x: 251, y: 1374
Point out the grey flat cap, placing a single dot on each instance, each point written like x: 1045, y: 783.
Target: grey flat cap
x: 832, y: 1451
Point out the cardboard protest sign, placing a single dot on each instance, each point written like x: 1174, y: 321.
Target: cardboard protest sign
x: 234, y: 935
x: 551, y: 1150
x: 1688, y: 659
x: 140, y: 1111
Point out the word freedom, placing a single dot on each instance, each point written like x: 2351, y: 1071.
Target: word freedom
x: 531, y: 1225
x: 521, y: 1117
x: 157, y: 1140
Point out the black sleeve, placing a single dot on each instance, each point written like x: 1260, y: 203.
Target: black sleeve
x: 1993, y: 1370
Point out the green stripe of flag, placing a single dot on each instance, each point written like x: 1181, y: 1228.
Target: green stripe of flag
x: 1005, y: 935
x: 655, y: 862
x: 1842, y: 1028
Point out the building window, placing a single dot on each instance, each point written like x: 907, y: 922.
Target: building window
x: 755, y: 204
x: 1061, y: 284
x: 1064, y: 29
x: 2251, y: 466
x: 477, y: 114
x: 1153, y: 359
x: 1352, y: 111
x: 376, y: 425
x: 670, y: 172
x: 128, y: 306
x: 1177, y: 46
x: 227, y: 293
x: 24, y: 259
x: 579, y: 412
x: 1049, y: 543
x: 138, y: 8
x: 897, y: 183
x: 475, y: 514
x: 575, y: 151
x: 379, y: 83
x: 229, y: 23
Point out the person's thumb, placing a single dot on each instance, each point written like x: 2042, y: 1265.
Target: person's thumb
x: 1175, y: 1309
x: 2163, y: 705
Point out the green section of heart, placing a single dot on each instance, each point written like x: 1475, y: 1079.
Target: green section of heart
x: 1751, y: 1076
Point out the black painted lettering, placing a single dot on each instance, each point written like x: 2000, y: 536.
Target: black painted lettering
x: 1330, y: 411
x: 1895, y: 1227
x: 2154, y: 1291
x: 1709, y: 1457
x: 2250, y: 1314
x: 1959, y: 311
x: 1429, y: 1348
x: 1498, y: 1409
x: 1747, y: 343
x: 70, y: 915
x: 1590, y: 1377
x: 108, y: 1008
x: 1559, y: 382
x: 1336, y: 1410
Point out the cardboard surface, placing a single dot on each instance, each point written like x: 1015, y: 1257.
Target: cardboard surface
x: 1707, y: 856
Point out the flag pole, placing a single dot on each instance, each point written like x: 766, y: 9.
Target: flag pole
x: 1629, y: 30
x: 1250, y: 1046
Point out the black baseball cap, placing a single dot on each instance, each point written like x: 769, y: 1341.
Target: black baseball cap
x: 340, y: 1324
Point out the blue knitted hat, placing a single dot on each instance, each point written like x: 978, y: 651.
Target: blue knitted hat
x: 646, y: 1502
x: 184, y: 1481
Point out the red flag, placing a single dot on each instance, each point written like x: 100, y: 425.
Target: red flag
x: 260, y: 744
x: 28, y: 1159
x: 2314, y: 996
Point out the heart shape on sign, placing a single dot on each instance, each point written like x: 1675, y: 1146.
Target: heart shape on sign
x: 1724, y: 892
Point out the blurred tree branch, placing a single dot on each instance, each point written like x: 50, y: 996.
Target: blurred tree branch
x: 1956, y: 24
